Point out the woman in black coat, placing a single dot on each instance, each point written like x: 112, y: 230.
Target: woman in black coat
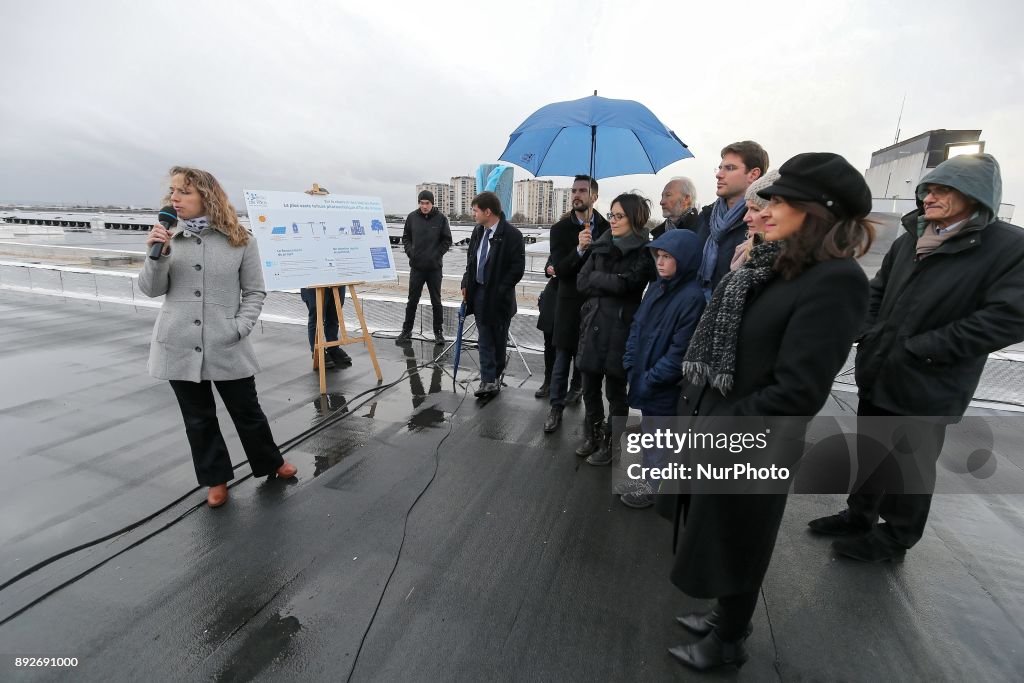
x: 770, y: 343
x: 613, y: 279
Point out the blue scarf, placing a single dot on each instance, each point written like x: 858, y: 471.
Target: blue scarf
x: 720, y: 220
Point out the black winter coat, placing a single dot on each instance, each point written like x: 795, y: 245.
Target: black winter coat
x: 689, y: 221
x: 613, y: 279
x: 932, y: 322
x: 426, y: 239
x: 564, y: 236
x: 794, y: 338
x: 506, y: 263
x: 735, y: 235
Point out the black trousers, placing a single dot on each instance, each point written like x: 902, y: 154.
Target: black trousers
x: 209, y: 452
x: 735, y: 612
x: 893, y: 470
x: 615, y: 391
x: 417, y: 278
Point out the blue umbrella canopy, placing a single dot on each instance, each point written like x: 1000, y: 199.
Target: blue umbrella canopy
x: 610, y: 137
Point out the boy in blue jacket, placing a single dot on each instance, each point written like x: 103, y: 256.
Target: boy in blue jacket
x: 658, y: 339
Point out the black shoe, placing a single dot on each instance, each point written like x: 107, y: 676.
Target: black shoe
x: 711, y: 653
x: 328, y: 361
x: 439, y: 338
x: 704, y: 623
x: 543, y: 392
x: 573, y: 397
x: 606, y: 454
x: 595, y: 437
x: 872, y: 547
x: 404, y: 336
x: 838, y: 525
x: 554, y: 420
x: 339, y: 357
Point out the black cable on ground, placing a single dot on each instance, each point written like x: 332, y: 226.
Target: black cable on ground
x: 284, y: 447
x: 405, y: 526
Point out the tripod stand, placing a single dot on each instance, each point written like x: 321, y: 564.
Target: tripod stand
x: 509, y: 340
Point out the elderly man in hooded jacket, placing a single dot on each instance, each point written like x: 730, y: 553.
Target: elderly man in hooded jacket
x: 950, y: 291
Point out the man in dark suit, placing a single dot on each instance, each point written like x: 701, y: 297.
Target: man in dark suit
x: 494, y: 266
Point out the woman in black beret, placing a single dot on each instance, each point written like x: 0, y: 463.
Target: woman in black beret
x: 773, y: 338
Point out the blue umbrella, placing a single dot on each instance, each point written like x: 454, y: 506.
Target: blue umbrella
x: 617, y: 137
x: 458, y: 341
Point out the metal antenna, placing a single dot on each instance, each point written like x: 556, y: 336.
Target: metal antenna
x: 899, y: 120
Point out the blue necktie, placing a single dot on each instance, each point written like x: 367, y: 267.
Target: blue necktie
x: 481, y: 266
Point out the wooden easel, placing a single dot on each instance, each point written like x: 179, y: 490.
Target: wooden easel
x: 343, y: 338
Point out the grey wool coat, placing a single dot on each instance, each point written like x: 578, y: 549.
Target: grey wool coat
x: 214, y: 295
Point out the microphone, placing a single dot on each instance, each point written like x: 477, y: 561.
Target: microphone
x: 168, y: 218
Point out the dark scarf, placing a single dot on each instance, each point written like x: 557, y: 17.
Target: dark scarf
x: 711, y: 357
x: 718, y: 224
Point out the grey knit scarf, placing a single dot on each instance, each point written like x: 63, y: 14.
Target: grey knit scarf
x: 711, y: 357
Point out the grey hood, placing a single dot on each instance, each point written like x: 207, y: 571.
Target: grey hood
x: 975, y: 175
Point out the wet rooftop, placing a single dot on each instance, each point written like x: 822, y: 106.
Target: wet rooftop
x: 428, y: 536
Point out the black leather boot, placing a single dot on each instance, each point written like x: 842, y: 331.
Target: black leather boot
x: 703, y: 623
x: 605, y: 454
x: 595, y: 437
x: 554, y: 420
x: 711, y: 653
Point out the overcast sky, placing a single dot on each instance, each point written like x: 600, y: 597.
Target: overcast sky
x: 98, y: 99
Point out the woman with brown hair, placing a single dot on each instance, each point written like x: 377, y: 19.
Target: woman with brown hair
x: 210, y: 274
x: 776, y: 332
x: 613, y: 280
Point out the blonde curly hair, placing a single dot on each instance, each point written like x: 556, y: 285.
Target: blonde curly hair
x: 219, y: 211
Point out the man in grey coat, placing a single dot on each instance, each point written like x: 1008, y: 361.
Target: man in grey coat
x: 949, y: 292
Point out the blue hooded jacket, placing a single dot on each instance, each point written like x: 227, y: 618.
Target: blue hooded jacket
x: 662, y: 328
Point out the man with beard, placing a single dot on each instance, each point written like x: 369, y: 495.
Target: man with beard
x: 678, y: 207
x: 571, y: 238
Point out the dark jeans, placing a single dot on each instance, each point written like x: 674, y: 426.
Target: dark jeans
x: 615, y: 391
x: 560, y: 376
x: 209, y: 452
x: 417, y: 278
x: 330, y: 314
x: 492, y: 339
x: 881, y: 480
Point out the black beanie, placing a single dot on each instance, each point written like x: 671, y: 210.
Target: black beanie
x: 426, y: 194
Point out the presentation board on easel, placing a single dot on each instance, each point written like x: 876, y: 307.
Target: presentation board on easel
x: 308, y: 240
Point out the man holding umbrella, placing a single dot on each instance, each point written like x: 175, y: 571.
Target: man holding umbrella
x: 494, y: 266
x: 571, y: 238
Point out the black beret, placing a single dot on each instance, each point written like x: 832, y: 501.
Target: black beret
x: 824, y: 178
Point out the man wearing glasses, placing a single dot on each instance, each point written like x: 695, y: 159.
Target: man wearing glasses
x: 721, y: 227
x: 571, y: 238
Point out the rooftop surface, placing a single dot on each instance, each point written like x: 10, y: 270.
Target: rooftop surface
x: 428, y: 536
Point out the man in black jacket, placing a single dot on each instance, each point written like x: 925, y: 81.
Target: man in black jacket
x: 494, y: 266
x: 570, y: 240
x: 721, y: 227
x: 677, y: 207
x: 950, y: 291
x: 426, y: 239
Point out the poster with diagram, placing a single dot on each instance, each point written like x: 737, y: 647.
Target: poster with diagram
x: 319, y: 239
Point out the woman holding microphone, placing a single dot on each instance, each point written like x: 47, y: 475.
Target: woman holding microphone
x: 209, y: 271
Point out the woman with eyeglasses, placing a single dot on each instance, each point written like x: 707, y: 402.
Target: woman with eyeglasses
x: 776, y: 332
x: 753, y: 218
x: 613, y: 280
